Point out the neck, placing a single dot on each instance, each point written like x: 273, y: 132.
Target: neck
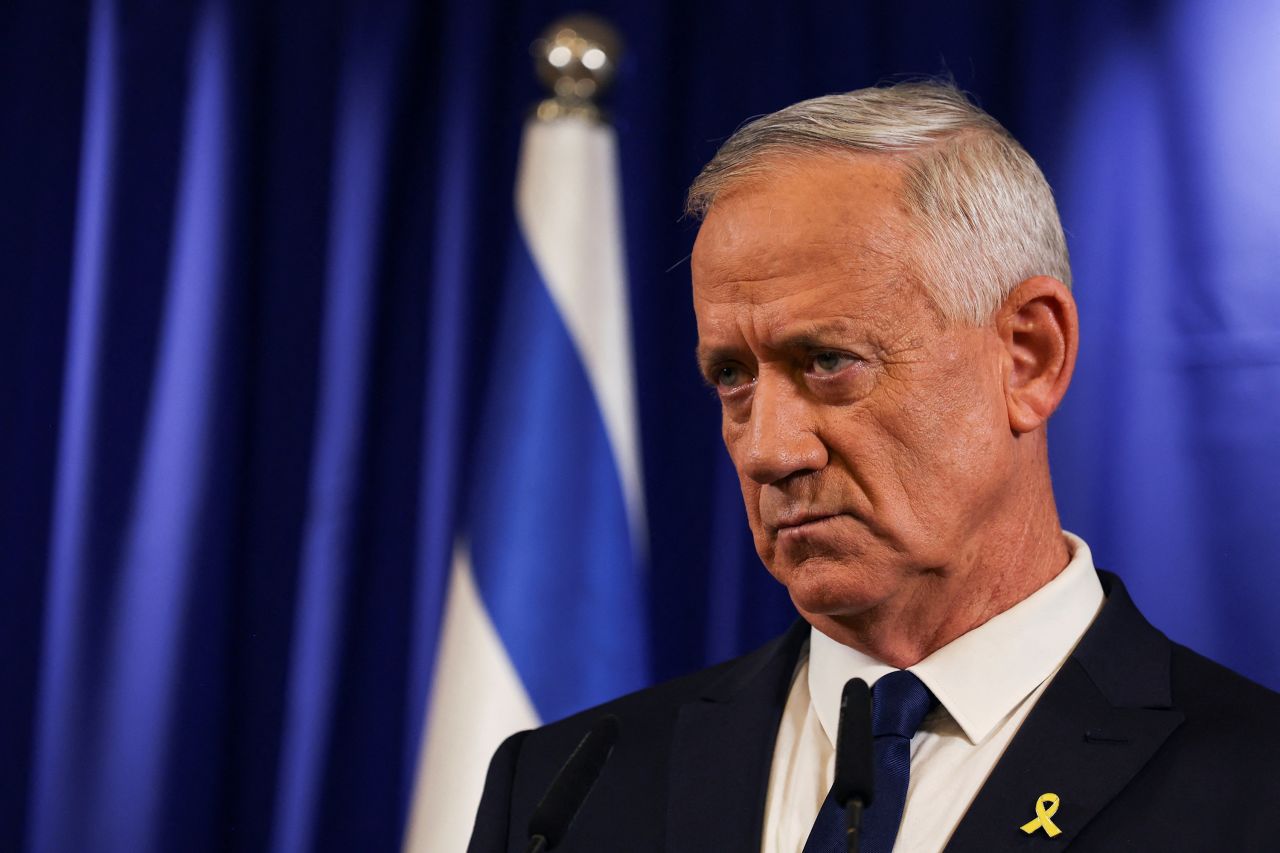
x: 1014, y: 555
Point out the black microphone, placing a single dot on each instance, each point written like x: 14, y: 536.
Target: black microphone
x: 568, y: 791
x: 854, y: 781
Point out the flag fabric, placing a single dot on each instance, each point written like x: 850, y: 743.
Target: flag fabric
x: 545, y: 610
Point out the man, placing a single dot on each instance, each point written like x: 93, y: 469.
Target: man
x: 882, y: 292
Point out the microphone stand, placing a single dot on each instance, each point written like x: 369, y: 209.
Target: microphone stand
x: 853, y: 824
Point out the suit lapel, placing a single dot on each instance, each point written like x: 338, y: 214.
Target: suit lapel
x: 1073, y: 744
x: 1097, y: 724
x: 723, y: 748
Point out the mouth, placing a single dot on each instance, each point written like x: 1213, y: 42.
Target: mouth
x: 803, y: 523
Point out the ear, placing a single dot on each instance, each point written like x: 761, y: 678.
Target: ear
x: 1038, y: 325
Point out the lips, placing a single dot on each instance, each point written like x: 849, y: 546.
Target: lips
x: 802, y: 520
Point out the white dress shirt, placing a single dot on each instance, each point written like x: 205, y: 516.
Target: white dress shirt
x: 986, y: 682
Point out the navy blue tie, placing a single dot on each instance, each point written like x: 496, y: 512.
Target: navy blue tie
x: 899, y: 703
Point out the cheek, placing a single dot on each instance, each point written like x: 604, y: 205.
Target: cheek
x: 975, y: 423
x: 956, y: 448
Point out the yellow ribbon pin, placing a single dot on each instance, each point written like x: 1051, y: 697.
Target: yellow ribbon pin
x: 1042, y: 816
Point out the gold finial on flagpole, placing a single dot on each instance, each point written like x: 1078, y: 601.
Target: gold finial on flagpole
x: 576, y: 57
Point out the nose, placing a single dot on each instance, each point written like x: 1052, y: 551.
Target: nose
x: 780, y: 439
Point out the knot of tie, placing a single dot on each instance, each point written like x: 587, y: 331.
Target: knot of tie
x: 899, y: 703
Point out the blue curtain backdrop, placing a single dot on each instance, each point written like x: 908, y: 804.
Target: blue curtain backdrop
x: 250, y: 257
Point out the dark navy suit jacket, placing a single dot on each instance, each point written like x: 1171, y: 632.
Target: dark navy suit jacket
x: 1148, y: 745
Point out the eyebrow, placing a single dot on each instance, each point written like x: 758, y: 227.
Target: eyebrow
x: 810, y: 336
x: 817, y: 335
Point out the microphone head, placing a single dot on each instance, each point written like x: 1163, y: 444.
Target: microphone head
x: 854, y: 762
x: 568, y: 791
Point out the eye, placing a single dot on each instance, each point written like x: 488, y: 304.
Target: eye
x: 829, y: 363
x: 726, y: 377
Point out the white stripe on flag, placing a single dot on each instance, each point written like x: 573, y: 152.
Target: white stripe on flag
x: 476, y: 701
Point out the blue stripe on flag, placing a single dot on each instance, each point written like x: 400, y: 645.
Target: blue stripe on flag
x: 548, y: 526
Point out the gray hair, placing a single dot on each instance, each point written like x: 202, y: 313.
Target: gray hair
x: 983, y: 207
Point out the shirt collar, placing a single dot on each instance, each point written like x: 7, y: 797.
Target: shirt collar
x: 982, y: 676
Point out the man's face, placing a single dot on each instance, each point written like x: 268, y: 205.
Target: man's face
x: 871, y: 438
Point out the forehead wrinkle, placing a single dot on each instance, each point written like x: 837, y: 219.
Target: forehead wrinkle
x: 788, y: 277
x: 789, y: 318
x: 874, y: 252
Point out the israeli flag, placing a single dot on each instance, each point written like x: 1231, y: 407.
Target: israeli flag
x: 545, y: 610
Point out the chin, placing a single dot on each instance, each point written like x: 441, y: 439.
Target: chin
x: 825, y: 587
